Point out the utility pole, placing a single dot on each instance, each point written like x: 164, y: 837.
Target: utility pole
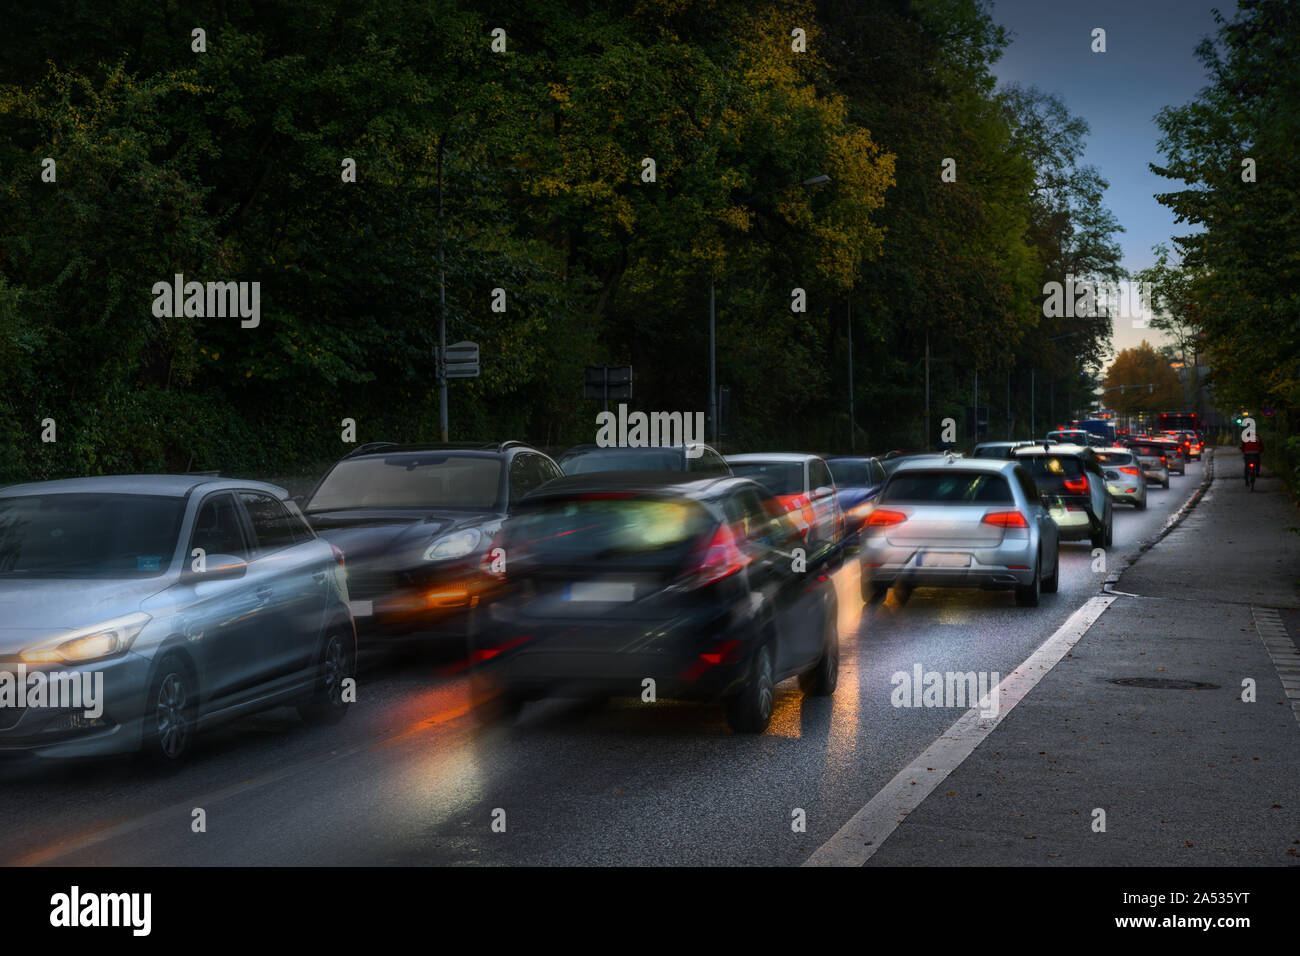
x: 713, y: 368
x: 927, y: 388
x: 442, y: 305
x: 975, y: 410
x: 1033, y: 408
x: 853, y: 437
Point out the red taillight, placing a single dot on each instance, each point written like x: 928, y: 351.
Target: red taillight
x: 722, y: 558
x: 881, y: 518
x: 1078, y: 485
x: 338, y: 556
x: 1128, y: 471
x: 1006, y: 519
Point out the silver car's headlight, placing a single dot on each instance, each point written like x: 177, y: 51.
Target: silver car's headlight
x: 97, y: 642
x: 455, y: 545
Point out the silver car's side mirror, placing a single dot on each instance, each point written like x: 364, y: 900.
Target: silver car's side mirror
x: 216, y: 567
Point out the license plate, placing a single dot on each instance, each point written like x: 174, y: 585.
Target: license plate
x: 362, y: 608
x: 609, y: 591
x: 942, y: 559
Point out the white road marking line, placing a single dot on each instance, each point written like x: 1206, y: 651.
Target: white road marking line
x: 1271, y: 630
x: 863, y: 835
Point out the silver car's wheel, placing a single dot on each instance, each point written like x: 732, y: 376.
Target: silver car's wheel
x: 169, y: 721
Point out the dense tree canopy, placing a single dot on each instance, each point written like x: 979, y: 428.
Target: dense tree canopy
x: 518, y: 161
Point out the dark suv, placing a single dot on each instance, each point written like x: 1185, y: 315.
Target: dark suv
x: 1073, y: 485
x: 418, y: 526
x: 620, y: 577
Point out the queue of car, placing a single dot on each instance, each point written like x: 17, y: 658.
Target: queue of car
x: 199, y: 599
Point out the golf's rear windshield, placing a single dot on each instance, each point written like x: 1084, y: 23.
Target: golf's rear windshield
x: 778, y: 477
x: 947, y: 487
x: 603, y: 528
x: 418, y: 480
x: 1147, y: 451
x: 624, y: 459
x: 850, y: 473
x: 88, y: 535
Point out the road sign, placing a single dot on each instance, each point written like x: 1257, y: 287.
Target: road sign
x: 461, y: 360
x: 603, y: 382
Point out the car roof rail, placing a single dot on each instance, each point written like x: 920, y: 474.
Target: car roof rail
x: 369, y: 447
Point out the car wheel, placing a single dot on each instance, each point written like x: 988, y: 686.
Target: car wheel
x: 1165, y: 484
x: 1098, y: 540
x: 1027, y: 594
x: 328, y: 703
x: 1050, y: 585
x: 1110, y: 532
x: 750, y: 710
x: 873, y: 593
x: 821, y: 680
x: 1140, y: 504
x: 171, y: 711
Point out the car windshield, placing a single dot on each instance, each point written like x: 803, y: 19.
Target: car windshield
x: 623, y: 459
x: 88, y: 535
x: 1150, y: 451
x: 848, y: 473
x: 410, y: 481
x: 778, y: 477
x: 956, y: 487
x: 991, y: 451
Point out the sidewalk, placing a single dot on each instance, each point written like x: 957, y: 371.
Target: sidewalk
x: 1185, y: 776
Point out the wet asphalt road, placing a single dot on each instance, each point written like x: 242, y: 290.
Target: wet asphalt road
x: 412, y: 777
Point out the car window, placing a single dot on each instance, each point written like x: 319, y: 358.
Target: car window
x: 708, y: 462
x: 411, y: 480
x: 955, y: 487
x: 548, y: 469
x: 779, y: 477
x: 218, y: 528
x: 273, y: 525
x: 819, y: 476
x: 1027, y: 485
x: 525, y: 475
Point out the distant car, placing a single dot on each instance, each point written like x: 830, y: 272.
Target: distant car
x: 587, y: 459
x: 417, y: 525
x: 1153, y: 459
x: 686, y: 580
x: 1004, y: 450
x: 1072, y: 436
x: 804, y: 487
x: 857, y: 482
x: 196, y: 600
x: 1193, y: 445
x: 1174, y: 454
x: 1124, y: 478
x: 1071, y: 479
x: 962, y: 523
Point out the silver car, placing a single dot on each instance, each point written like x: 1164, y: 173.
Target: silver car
x: 1125, y: 480
x: 962, y: 523
x: 137, y: 610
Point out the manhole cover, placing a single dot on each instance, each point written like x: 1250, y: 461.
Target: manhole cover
x: 1163, y: 683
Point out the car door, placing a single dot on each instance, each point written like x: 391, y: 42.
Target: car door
x: 292, y: 568
x: 821, y: 491
x: 224, y: 617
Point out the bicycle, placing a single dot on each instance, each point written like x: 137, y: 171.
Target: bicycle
x: 1252, y: 468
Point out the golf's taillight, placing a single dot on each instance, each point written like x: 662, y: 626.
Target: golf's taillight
x: 1077, y: 485
x: 883, y: 518
x: 1128, y: 471
x: 1006, y: 519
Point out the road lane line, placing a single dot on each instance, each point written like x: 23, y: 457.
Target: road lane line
x: 862, y: 836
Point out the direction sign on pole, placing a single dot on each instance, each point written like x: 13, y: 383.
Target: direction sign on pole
x: 603, y: 382
x: 461, y: 360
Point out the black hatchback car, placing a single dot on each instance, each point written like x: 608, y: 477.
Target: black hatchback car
x: 418, y: 526
x: 617, y: 578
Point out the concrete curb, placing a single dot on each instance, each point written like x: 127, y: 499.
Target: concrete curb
x: 1173, y: 521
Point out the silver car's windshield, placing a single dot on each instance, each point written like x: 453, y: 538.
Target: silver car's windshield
x: 88, y: 536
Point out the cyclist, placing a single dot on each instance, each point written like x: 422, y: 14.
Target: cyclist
x: 1251, y: 451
